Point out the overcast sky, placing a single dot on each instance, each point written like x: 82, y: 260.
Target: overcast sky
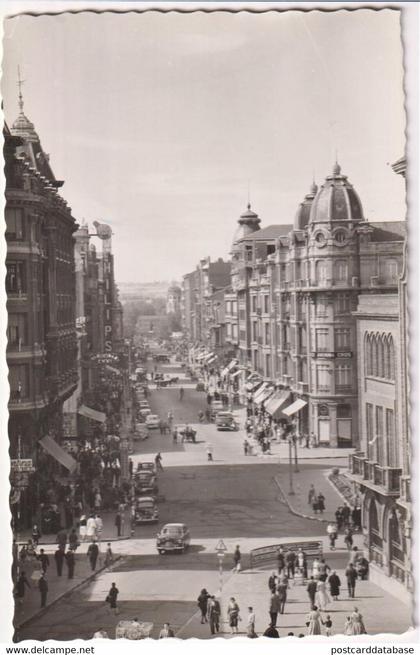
x: 158, y: 122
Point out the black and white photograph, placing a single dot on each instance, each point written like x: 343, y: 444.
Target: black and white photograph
x: 206, y: 374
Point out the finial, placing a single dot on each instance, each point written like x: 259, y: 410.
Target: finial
x: 249, y: 193
x: 20, y: 82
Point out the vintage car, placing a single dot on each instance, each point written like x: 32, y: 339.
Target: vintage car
x: 140, y: 432
x: 186, y: 433
x: 152, y: 421
x: 145, y: 483
x: 226, y: 421
x: 173, y: 537
x: 147, y: 466
x: 145, y: 411
x: 145, y: 510
x: 215, y: 407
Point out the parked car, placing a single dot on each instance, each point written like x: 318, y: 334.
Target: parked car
x: 145, y: 483
x: 173, y: 537
x: 145, y: 411
x: 152, y: 421
x: 140, y: 433
x: 147, y: 466
x: 215, y: 407
x: 226, y: 421
x: 145, y: 510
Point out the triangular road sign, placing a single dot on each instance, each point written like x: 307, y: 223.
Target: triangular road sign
x: 221, y: 546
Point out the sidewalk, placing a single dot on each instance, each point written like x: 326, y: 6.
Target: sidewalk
x: 57, y: 586
x: 381, y: 612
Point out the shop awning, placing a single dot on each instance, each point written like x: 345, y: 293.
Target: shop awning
x: 112, y: 369
x: 250, y: 386
x: 212, y: 359
x: 262, y: 388
x: 294, y: 407
x: 209, y: 356
x: 265, y: 395
x: 93, y: 414
x: 229, y: 367
x: 235, y: 374
x: 58, y: 453
x: 276, y: 401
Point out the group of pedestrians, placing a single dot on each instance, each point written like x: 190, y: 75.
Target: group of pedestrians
x: 210, y: 610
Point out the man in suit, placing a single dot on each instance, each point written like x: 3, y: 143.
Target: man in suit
x: 92, y: 553
x: 59, y: 559
x: 351, y: 575
x: 311, y: 589
x: 43, y: 589
x: 274, y: 608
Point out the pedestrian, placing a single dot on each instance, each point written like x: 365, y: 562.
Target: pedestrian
x: 321, y: 597
x: 271, y: 632
x: 356, y: 518
x: 73, y: 540
x: 357, y: 624
x: 321, y: 502
x: 233, y: 615
x: 97, y: 500
x: 209, y: 451
x: 302, y: 563
x: 346, y: 511
x: 43, y: 589
x: 274, y: 608
x: 202, y: 602
x: 250, y: 624
x: 332, y: 534
x: 311, y: 494
x: 282, y: 588
x: 246, y: 447
x: 348, y: 538
x: 324, y: 569
x: 59, y: 559
x: 335, y: 584
x: 36, y: 534
x: 130, y: 467
x: 272, y: 582
x: 61, y: 539
x: 166, y: 631
x: 351, y: 575
x: 237, y: 560
x: 316, y: 568
x: 348, y: 626
x: 213, y: 614
x: 109, y: 557
x: 44, y: 559
x: 118, y: 523
x: 313, y: 621
x: 280, y: 559
x: 70, y: 562
x: 175, y: 434
x: 311, y: 589
x: 112, y: 598
x: 21, y: 584
x: 158, y: 462
x: 328, y: 625
x: 92, y: 553
x: 290, y: 559
x: 82, y: 527
x: 91, y: 527
x: 339, y: 517
x: 181, y: 393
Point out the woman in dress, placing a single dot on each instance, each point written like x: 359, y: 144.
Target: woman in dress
x: 313, y: 621
x: 315, y: 568
x: 348, y: 626
x: 233, y: 615
x: 321, y: 597
x: 357, y: 625
x: 202, y: 602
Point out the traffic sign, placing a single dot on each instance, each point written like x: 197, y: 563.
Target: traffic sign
x: 221, y: 547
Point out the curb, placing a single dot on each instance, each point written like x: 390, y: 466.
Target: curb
x: 292, y: 510
x: 63, y: 595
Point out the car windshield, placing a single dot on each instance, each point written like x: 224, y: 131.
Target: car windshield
x: 172, y: 531
x: 148, y: 504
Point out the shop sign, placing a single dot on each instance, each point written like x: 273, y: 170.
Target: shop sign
x: 22, y: 465
x: 344, y: 355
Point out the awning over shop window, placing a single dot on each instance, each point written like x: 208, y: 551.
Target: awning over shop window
x: 209, y: 356
x: 265, y: 395
x: 253, y: 384
x: 229, y: 367
x: 93, y: 414
x: 58, y: 453
x: 277, y: 401
x: 211, y: 360
x: 262, y: 388
x: 235, y: 374
x: 294, y: 407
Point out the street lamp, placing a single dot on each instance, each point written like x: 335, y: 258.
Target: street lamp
x: 221, y: 551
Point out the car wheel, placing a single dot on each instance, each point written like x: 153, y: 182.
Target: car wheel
x: 161, y: 551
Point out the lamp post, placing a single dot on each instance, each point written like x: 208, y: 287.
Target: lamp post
x: 221, y: 551
x: 291, y: 490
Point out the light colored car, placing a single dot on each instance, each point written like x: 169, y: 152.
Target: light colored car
x: 226, y: 421
x: 146, y: 510
x: 152, y: 421
x: 145, y: 411
x: 173, y: 537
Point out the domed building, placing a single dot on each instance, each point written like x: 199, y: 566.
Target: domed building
x: 304, y: 210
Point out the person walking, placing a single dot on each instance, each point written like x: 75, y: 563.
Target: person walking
x: 59, y: 560
x: 73, y: 540
x: 274, y: 608
x: 324, y: 569
x: 118, y: 523
x: 328, y: 625
x: 302, y: 563
x: 91, y: 527
x: 311, y: 589
x: 335, y: 584
x: 82, y: 527
x: 166, y: 631
x: 357, y: 624
x: 99, y: 527
x: 233, y: 615
x: 348, y: 626
x: 313, y: 621
x: 280, y: 560
x: 202, y: 602
x: 246, y: 446
x: 332, y: 531
x: 272, y: 582
x: 71, y: 563
x: 109, y: 557
x: 321, y: 597
x: 21, y: 584
x: 348, y: 538
x: 311, y: 494
x: 181, y: 393
x: 44, y: 560
x: 282, y: 588
x: 351, y: 575
x: 237, y: 560
x: 43, y: 589
x: 290, y: 558
x: 36, y: 534
x: 158, y: 462
x: 321, y: 502
x: 92, y: 553
x: 61, y: 539
x: 213, y: 614
x: 250, y: 624
x: 346, y: 511
x: 112, y: 598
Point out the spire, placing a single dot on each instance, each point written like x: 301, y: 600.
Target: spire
x: 20, y: 82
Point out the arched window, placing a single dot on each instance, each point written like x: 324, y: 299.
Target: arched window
x: 368, y: 354
x: 381, y: 355
x: 374, y: 531
x: 341, y: 271
x: 395, y: 539
x: 391, y: 359
x: 321, y: 272
x: 375, y: 358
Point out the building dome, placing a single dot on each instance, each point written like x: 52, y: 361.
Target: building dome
x: 336, y: 200
x: 249, y: 222
x: 304, y: 209
x: 24, y: 128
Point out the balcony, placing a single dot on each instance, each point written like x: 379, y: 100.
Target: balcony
x: 384, y: 479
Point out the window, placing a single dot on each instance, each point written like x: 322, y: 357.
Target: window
x: 340, y: 236
x: 342, y: 304
x: 242, y: 335
x: 322, y: 344
x: 393, y: 455
x: 16, y: 330
x: 391, y: 270
x: 266, y: 310
x: 248, y: 253
x: 321, y: 272
x: 14, y: 224
x: 254, y: 303
x: 267, y: 334
x: 18, y: 380
x: 323, y: 376
x: 369, y: 422
x: 342, y: 338
x: 267, y: 365
x: 379, y: 416
x: 16, y: 277
x: 379, y: 356
x: 321, y: 306
x: 254, y: 331
x: 343, y: 376
x: 341, y: 271
x: 343, y: 411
